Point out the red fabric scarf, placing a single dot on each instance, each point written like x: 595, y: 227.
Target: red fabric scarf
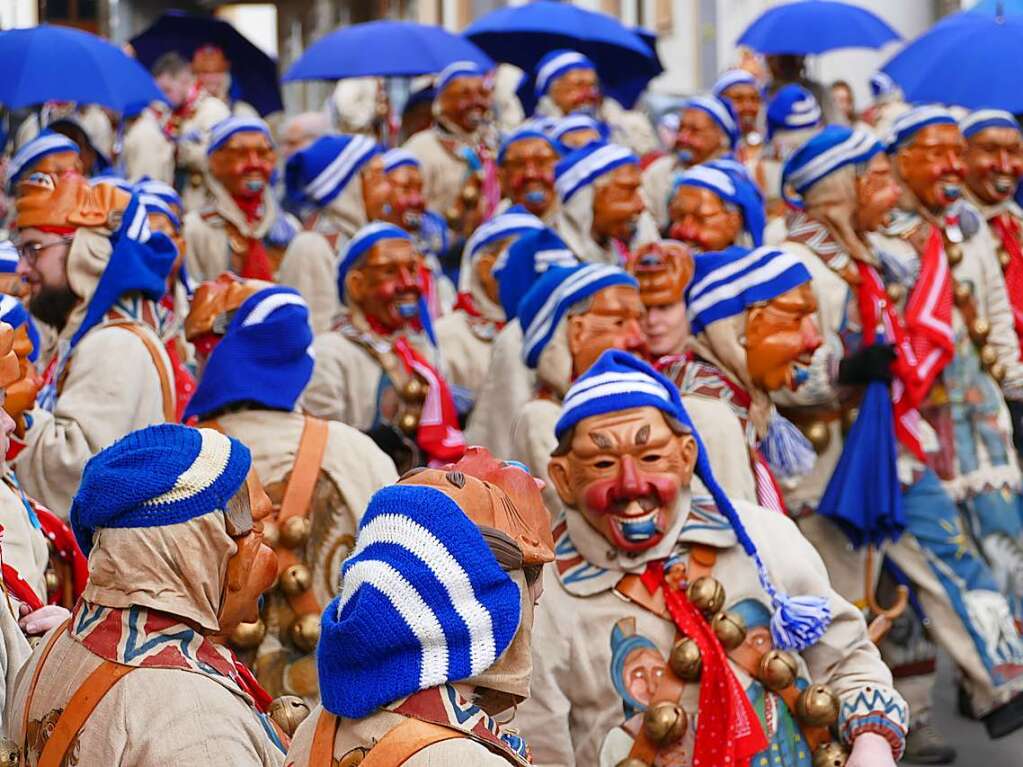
x: 255, y: 261
x: 465, y: 303
x: 438, y: 434
x: 1006, y: 226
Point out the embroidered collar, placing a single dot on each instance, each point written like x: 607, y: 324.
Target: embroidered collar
x: 818, y: 238
x: 700, y: 378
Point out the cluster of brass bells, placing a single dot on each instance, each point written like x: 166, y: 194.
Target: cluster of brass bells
x: 830, y: 755
x: 247, y: 636
x: 954, y: 253
x: 979, y: 329
x: 778, y: 670
x: 288, y: 712
x: 665, y: 723
x: 896, y: 292
x: 295, y: 580
x: 708, y: 596
x: 817, y: 706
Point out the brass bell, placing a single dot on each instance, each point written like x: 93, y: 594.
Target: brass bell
x: 470, y: 194
x: 979, y: 330
x: 954, y: 253
x: 296, y: 580
x: 730, y: 629
x: 271, y: 534
x: 778, y: 670
x: 288, y: 712
x: 686, y: 660
x: 247, y: 636
x: 819, y: 435
x: 849, y: 417
x: 305, y: 632
x: 415, y: 389
x: 997, y: 372
x: 830, y: 755
x: 452, y: 214
x: 52, y: 581
x: 632, y: 762
x: 295, y: 531
x: 1003, y: 257
x: 817, y: 706
x: 895, y: 291
x: 962, y: 293
x: 988, y: 355
x: 408, y: 423
x: 707, y: 594
x: 10, y: 754
x: 665, y: 723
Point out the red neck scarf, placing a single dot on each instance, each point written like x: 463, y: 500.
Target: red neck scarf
x: 255, y: 262
x: 438, y: 434
x: 1007, y: 228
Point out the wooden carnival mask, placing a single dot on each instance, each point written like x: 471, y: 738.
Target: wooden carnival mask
x: 64, y: 198
x: 578, y: 90
x: 994, y: 163
x: 610, y: 321
x: 931, y: 166
x: 527, y: 174
x: 617, y: 204
x: 623, y: 472
x: 746, y: 102
x: 385, y: 284
x: 877, y: 194
x: 781, y: 334
x: 702, y: 219
x: 244, y: 164
x: 663, y: 270
x: 465, y: 102
x: 376, y: 191
x: 699, y: 138
x: 211, y: 67
x: 484, y: 268
x: 213, y: 306
x: 21, y: 392
x: 406, y: 196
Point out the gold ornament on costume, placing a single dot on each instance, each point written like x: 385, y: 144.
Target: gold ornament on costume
x: 997, y: 372
x: 988, y: 355
x: 895, y: 291
x: 52, y: 581
x: 830, y: 755
x: 819, y: 435
x: 10, y: 754
x: 665, y: 723
x: 849, y: 417
x: 730, y: 629
x: 408, y: 423
x: 778, y: 670
x: 979, y: 330
x: 686, y: 660
x: 962, y: 293
x: 707, y: 595
x: 1003, y: 257
x: 415, y: 389
x: 288, y: 712
x: 817, y: 706
x: 663, y: 270
x: 247, y: 636
x: 296, y: 580
x: 955, y: 254
x: 271, y: 534
x: 305, y: 632
x: 295, y: 531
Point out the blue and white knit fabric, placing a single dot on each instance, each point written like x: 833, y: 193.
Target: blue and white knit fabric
x: 156, y: 188
x: 907, y: 125
x: 550, y: 298
x: 360, y: 245
x: 423, y: 601
x: 881, y: 84
x: 46, y: 143
x: 727, y: 283
x: 522, y: 264
x: 526, y: 131
x: 458, y: 69
x: 577, y: 122
x: 731, y: 78
x: 321, y: 171
x: 14, y: 313
x: 399, y: 158
x: 732, y: 183
x: 720, y: 111
x: 515, y: 220
x: 834, y: 147
x: 584, y: 166
x: 222, y: 132
x: 265, y: 357
x: 8, y: 257
x: 154, y: 204
x: 981, y: 119
x: 157, y: 476
x: 620, y: 381
x: 555, y: 64
x: 792, y: 108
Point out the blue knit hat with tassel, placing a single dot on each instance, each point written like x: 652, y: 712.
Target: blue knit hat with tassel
x: 619, y: 381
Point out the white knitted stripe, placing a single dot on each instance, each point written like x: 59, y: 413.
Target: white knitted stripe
x: 558, y: 65
x: 224, y: 129
x: 138, y: 230
x: 407, y: 602
x: 907, y: 124
x: 574, y: 178
x: 545, y: 259
x: 453, y: 71
x: 591, y: 381
x: 395, y: 158
x: 38, y: 147
x: 805, y: 113
x: 712, y: 177
x: 497, y: 226
x: 154, y: 204
x: 269, y: 304
x: 541, y: 325
x: 615, y: 389
x: 209, y: 464
x: 763, y: 274
x: 339, y: 167
x: 573, y: 123
x: 733, y: 77
x: 410, y: 535
x: 716, y: 108
x: 850, y: 150
x: 8, y: 253
x: 728, y: 270
x: 997, y: 116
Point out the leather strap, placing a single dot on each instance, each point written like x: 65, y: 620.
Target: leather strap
x: 406, y: 740
x: 78, y: 710
x: 32, y: 688
x: 321, y: 752
x: 305, y: 471
x: 166, y: 389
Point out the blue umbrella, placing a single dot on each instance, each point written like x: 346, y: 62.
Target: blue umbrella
x: 253, y: 72
x: 627, y: 92
x: 863, y: 496
x: 383, y: 49
x: 48, y: 63
x: 967, y: 59
x: 816, y: 26
x: 998, y: 7
x: 523, y: 34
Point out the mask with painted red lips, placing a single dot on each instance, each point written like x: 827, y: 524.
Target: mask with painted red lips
x: 635, y: 506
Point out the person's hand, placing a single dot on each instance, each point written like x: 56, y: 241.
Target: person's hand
x: 38, y: 622
x: 870, y: 750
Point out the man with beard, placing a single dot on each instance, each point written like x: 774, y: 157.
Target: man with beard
x: 603, y: 214
x: 715, y: 206
x: 95, y: 272
x: 763, y: 657
x: 526, y: 170
x: 240, y: 229
x: 708, y: 129
x: 378, y: 369
x: 741, y: 89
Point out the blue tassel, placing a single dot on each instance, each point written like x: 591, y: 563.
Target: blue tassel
x: 787, y: 451
x: 799, y: 622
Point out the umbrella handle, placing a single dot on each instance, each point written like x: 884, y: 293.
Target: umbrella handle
x: 884, y: 618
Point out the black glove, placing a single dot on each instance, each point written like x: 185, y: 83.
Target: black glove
x: 871, y: 364
x: 1016, y: 414
x: 401, y: 449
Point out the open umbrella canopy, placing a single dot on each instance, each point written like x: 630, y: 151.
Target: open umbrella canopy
x: 816, y: 26
x: 998, y: 7
x: 253, y: 72
x: 47, y: 63
x: 967, y: 59
x: 523, y: 34
x: 384, y: 49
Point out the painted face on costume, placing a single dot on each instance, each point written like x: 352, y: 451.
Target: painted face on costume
x: 643, y: 670
x: 385, y: 284
x: 465, y: 102
x: 21, y: 395
x: 699, y: 138
x: 703, y: 220
x: 244, y: 165
x: 407, y: 202
x: 612, y: 321
x: 527, y: 174
x: 484, y: 268
x: 623, y: 472
x: 663, y: 269
x: 931, y: 166
x: 994, y: 163
x: 578, y: 90
x: 618, y: 204
x: 746, y: 102
x: 376, y: 191
x: 877, y: 194
x: 781, y: 336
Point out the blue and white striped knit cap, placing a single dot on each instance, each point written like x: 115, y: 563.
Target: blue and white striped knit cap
x: 322, y: 170
x: 360, y: 245
x: 154, y: 204
x: 907, y: 125
x: 458, y: 69
x: 14, y: 313
x: 46, y: 143
x: 423, y: 602
x: 265, y: 356
x: 584, y: 166
x: 8, y: 257
x: 792, y: 108
x: 156, y: 188
x: 522, y: 264
x: 550, y: 298
x: 577, y: 122
x: 881, y: 84
x: 619, y: 381
x: 157, y: 476
x: 834, y: 147
x: 514, y: 221
x: 720, y: 111
x: 731, y: 182
x: 555, y: 64
x: 727, y: 283
x: 982, y: 119
x: 399, y: 158
x: 523, y: 132
x: 733, y: 77
x: 222, y: 131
